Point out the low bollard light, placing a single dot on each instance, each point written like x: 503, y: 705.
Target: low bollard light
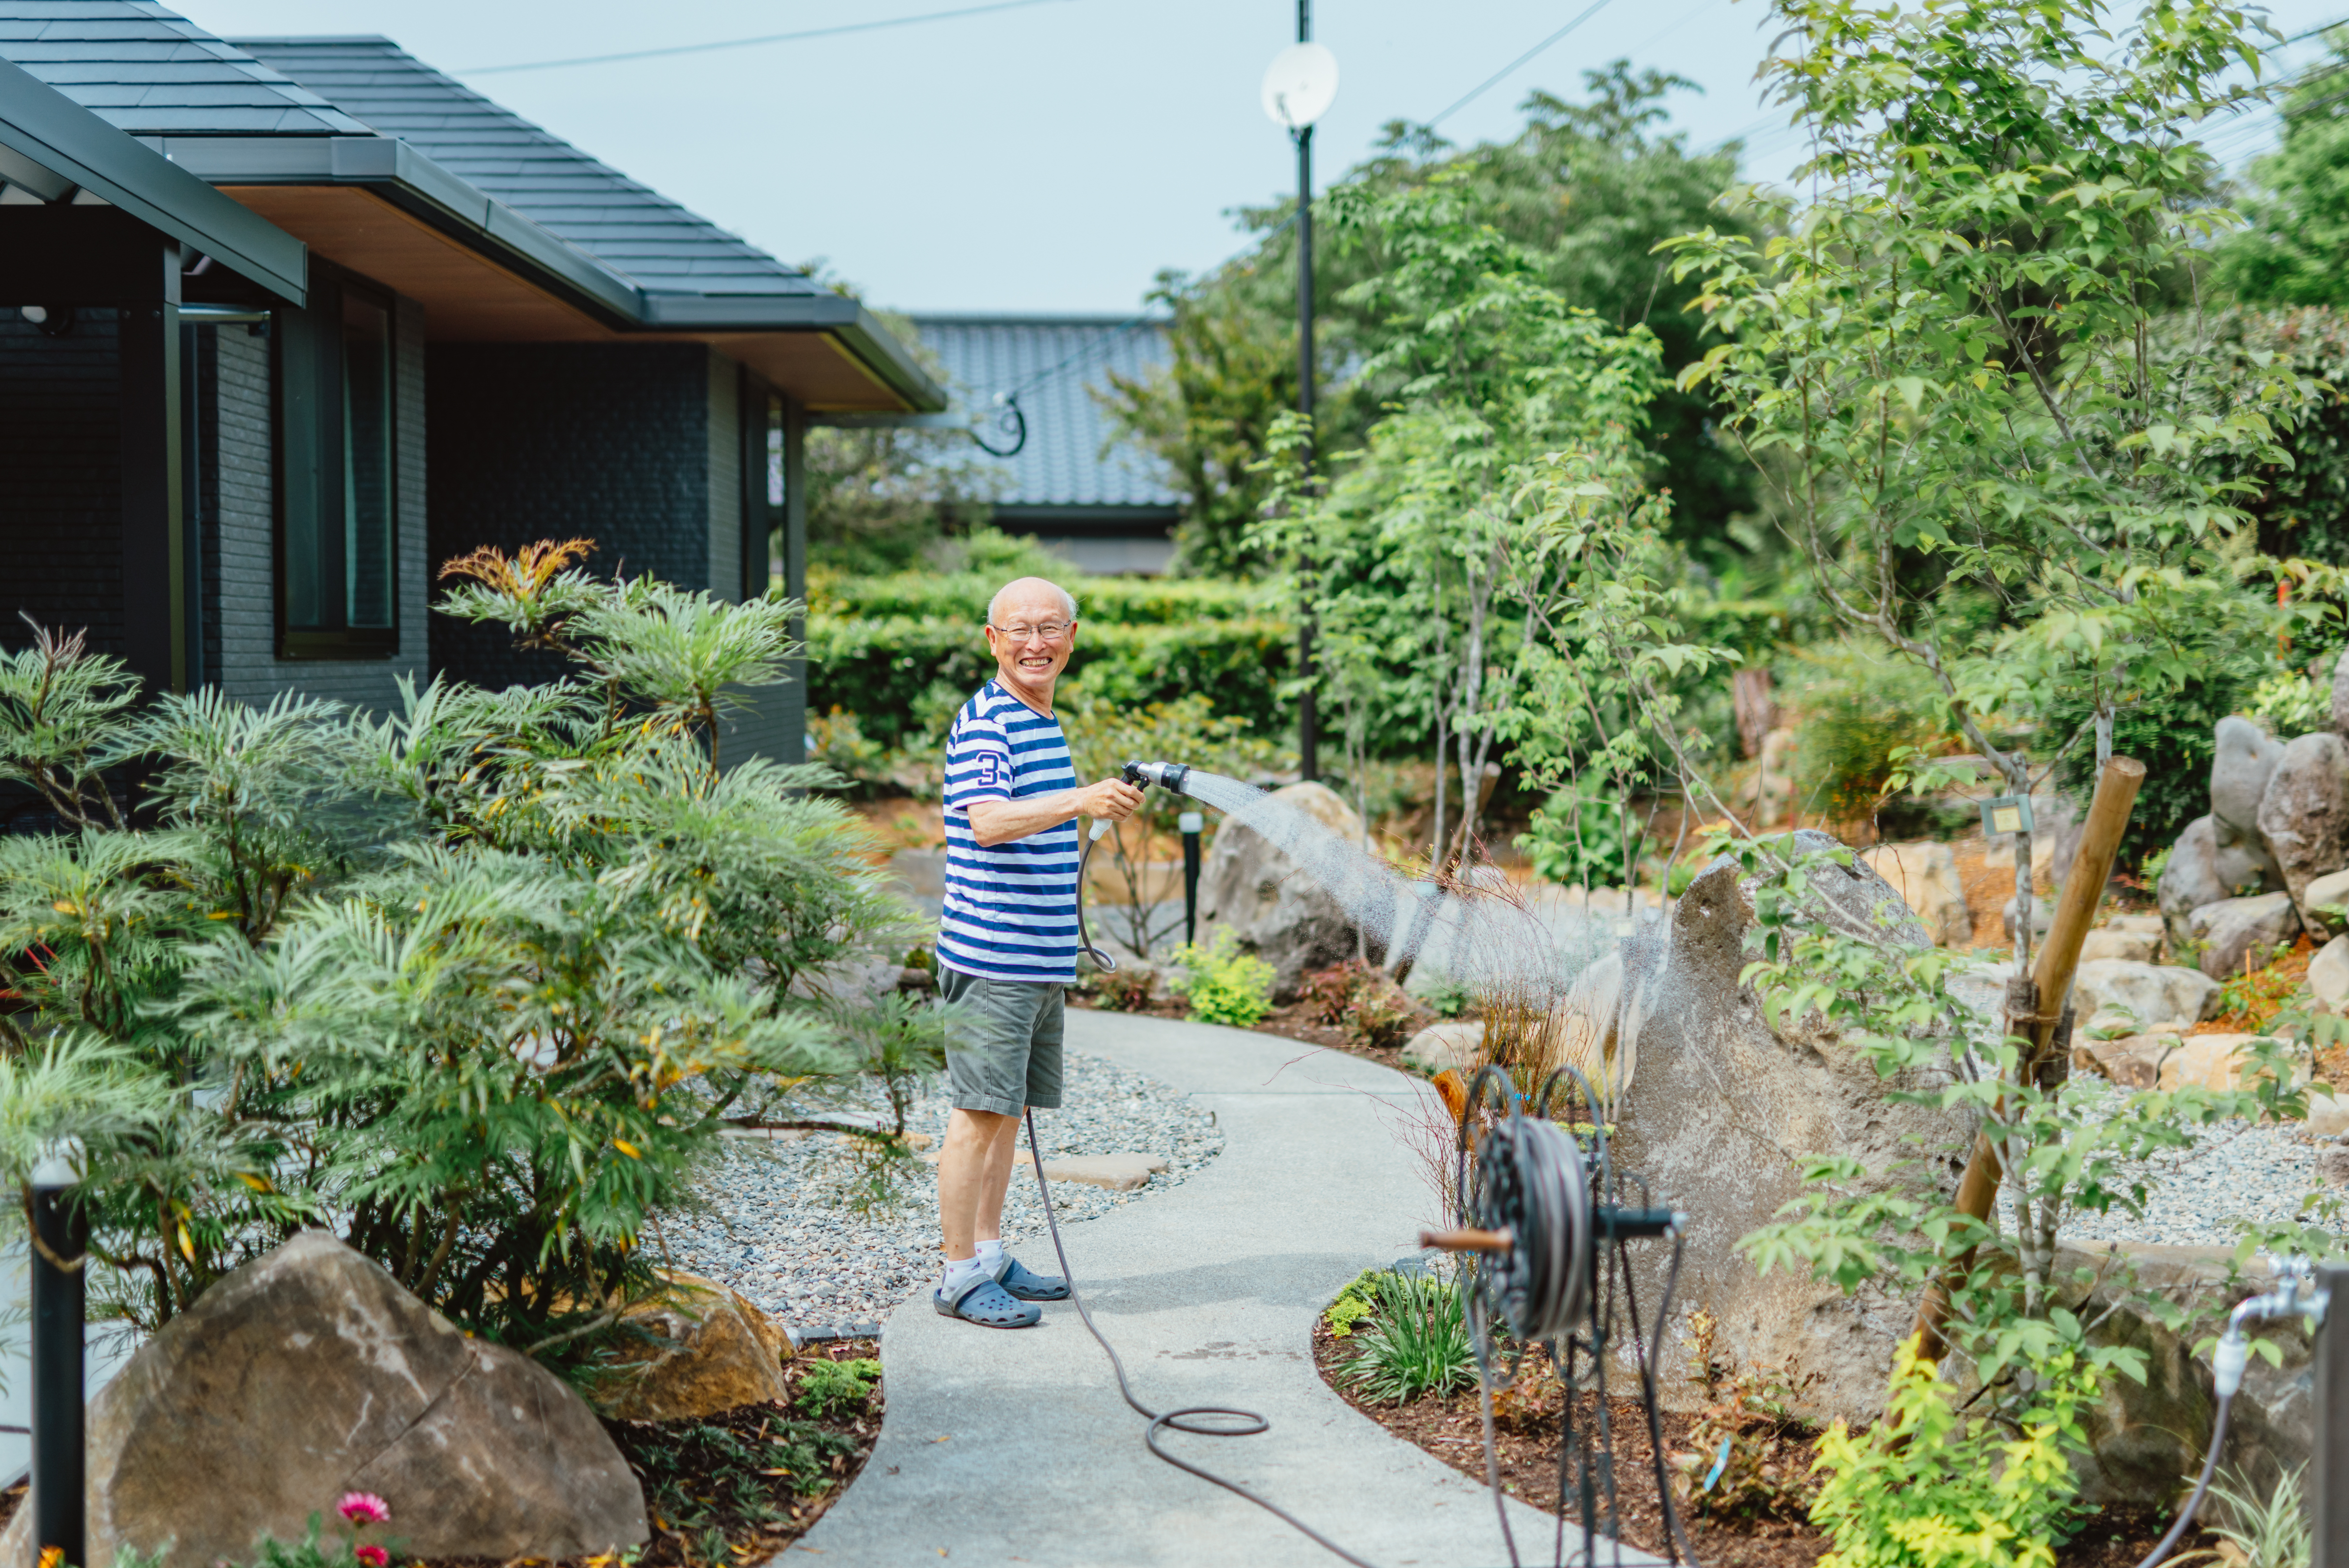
x: 60, y: 1232
x: 1191, y: 823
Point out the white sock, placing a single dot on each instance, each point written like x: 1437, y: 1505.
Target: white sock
x: 991, y: 1255
x: 960, y: 1272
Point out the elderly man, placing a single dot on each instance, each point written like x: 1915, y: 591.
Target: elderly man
x: 1008, y: 938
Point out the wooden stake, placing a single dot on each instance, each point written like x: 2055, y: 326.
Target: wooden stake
x: 2035, y: 1005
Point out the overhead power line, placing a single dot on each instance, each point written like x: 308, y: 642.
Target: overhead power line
x: 1480, y: 88
x: 764, y: 39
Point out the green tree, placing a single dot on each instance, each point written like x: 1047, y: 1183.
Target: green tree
x: 1584, y: 193
x: 1947, y: 360
x: 2298, y: 199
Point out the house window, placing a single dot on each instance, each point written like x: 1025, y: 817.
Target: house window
x: 338, y: 554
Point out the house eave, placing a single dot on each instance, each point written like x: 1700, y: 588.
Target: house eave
x: 45, y: 133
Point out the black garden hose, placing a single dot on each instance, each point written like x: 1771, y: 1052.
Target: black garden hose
x: 1236, y: 1423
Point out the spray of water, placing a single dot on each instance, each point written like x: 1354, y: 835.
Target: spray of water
x: 1487, y: 939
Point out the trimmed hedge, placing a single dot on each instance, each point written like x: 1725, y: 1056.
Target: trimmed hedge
x: 903, y: 676
x: 961, y: 597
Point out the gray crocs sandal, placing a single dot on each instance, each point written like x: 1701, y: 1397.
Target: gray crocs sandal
x: 1018, y: 1279
x: 989, y: 1304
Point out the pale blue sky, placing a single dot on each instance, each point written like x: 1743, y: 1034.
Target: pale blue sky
x: 1048, y: 157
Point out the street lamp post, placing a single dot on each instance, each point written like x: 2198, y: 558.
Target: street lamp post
x: 1298, y: 90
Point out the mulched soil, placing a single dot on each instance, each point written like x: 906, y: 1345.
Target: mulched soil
x: 1526, y: 1444
x: 734, y: 1487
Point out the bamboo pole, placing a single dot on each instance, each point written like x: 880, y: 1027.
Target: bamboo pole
x: 2035, y: 1005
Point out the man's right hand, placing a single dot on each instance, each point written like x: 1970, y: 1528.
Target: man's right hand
x: 1112, y: 798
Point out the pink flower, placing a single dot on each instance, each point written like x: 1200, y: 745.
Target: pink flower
x: 364, y: 1507
x: 374, y: 1556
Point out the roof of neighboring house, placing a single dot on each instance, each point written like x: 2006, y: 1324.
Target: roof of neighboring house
x: 146, y: 71
x: 627, y: 225
x: 1075, y: 455
x: 53, y: 149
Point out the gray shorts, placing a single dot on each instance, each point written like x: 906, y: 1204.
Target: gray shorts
x: 1004, y: 1052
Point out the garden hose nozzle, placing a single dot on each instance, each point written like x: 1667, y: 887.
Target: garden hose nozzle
x: 1168, y: 776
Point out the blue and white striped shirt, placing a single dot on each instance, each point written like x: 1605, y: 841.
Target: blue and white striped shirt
x: 1011, y: 910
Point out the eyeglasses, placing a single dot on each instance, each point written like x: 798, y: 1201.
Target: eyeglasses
x: 1051, y: 631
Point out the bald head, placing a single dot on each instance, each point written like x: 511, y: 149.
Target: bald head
x: 1031, y: 592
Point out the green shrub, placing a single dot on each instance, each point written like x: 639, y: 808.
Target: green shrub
x: 903, y: 678
x: 836, y: 1388
x: 1353, y: 1304
x: 1223, y: 984
x: 1582, y: 837
x: 2173, y: 734
x: 1417, y: 1341
x: 2270, y: 1531
x: 1928, y: 1488
x: 1857, y: 704
x: 478, y: 984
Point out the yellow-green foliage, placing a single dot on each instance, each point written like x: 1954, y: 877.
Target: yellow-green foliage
x: 1352, y: 1305
x: 1223, y: 984
x: 1926, y: 1488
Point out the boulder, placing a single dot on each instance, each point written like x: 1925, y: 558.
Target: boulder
x: 1925, y: 876
x: 2328, y: 1114
x: 2333, y: 1165
x: 2131, y: 1062
x: 702, y: 1349
x: 2142, y: 1437
x: 2191, y: 879
x: 2243, y: 758
x: 2235, y: 932
x: 1723, y: 1112
x: 2330, y: 891
x: 2328, y: 975
x: 1455, y: 1046
x: 2131, y: 947
x: 309, y: 1373
x: 2341, y: 696
x: 2214, y: 1061
x: 2304, y: 814
x: 2149, y: 992
x: 1252, y: 888
x: 2042, y: 916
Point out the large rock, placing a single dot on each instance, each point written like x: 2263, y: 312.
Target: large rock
x: 1252, y: 888
x: 2243, y: 758
x: 2216, y: 1062
x: 1455, y: 1046
x: 310, y: 1373
x: 1723, y: 1113
x: 2191, y: 879
x: 2149, y: 993
x: 702, y: 1349
x: 2304, y: 814
x: 2239, y: 931
x: 2113, y: 942
x: 1926, y: 877
x: 2330, y: 891
x: 2328, y: 975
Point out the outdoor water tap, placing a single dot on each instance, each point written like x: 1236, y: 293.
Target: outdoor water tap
x: 2296, y: 1294
x: 1168, y: 776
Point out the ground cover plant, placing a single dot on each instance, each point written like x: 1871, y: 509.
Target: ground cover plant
x: 477, y: 984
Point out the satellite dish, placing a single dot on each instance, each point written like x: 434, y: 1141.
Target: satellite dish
x: 1300, y: 85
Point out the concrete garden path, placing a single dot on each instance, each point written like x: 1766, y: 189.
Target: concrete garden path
x: 1014, y: 1446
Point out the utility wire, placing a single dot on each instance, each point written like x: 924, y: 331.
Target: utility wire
x: 1479, y: 90
x: 764, y: 38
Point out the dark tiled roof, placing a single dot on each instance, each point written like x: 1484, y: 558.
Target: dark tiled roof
x: 151, y: 72
x: 626, y: 226
x: 1056, y: 363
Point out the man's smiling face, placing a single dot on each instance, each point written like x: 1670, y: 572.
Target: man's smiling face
x: 1027, y: 660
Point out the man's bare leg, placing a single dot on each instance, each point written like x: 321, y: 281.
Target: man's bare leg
x: 970, y: 1187
x: 1000, y: 1155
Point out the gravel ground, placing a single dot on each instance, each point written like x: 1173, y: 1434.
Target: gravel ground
x: 778, y: 1220
x: 2234, y: 1170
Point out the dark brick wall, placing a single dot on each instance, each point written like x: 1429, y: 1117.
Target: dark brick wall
x: 531, y: 441
x: 60, y: 473
x: 239, y: 522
